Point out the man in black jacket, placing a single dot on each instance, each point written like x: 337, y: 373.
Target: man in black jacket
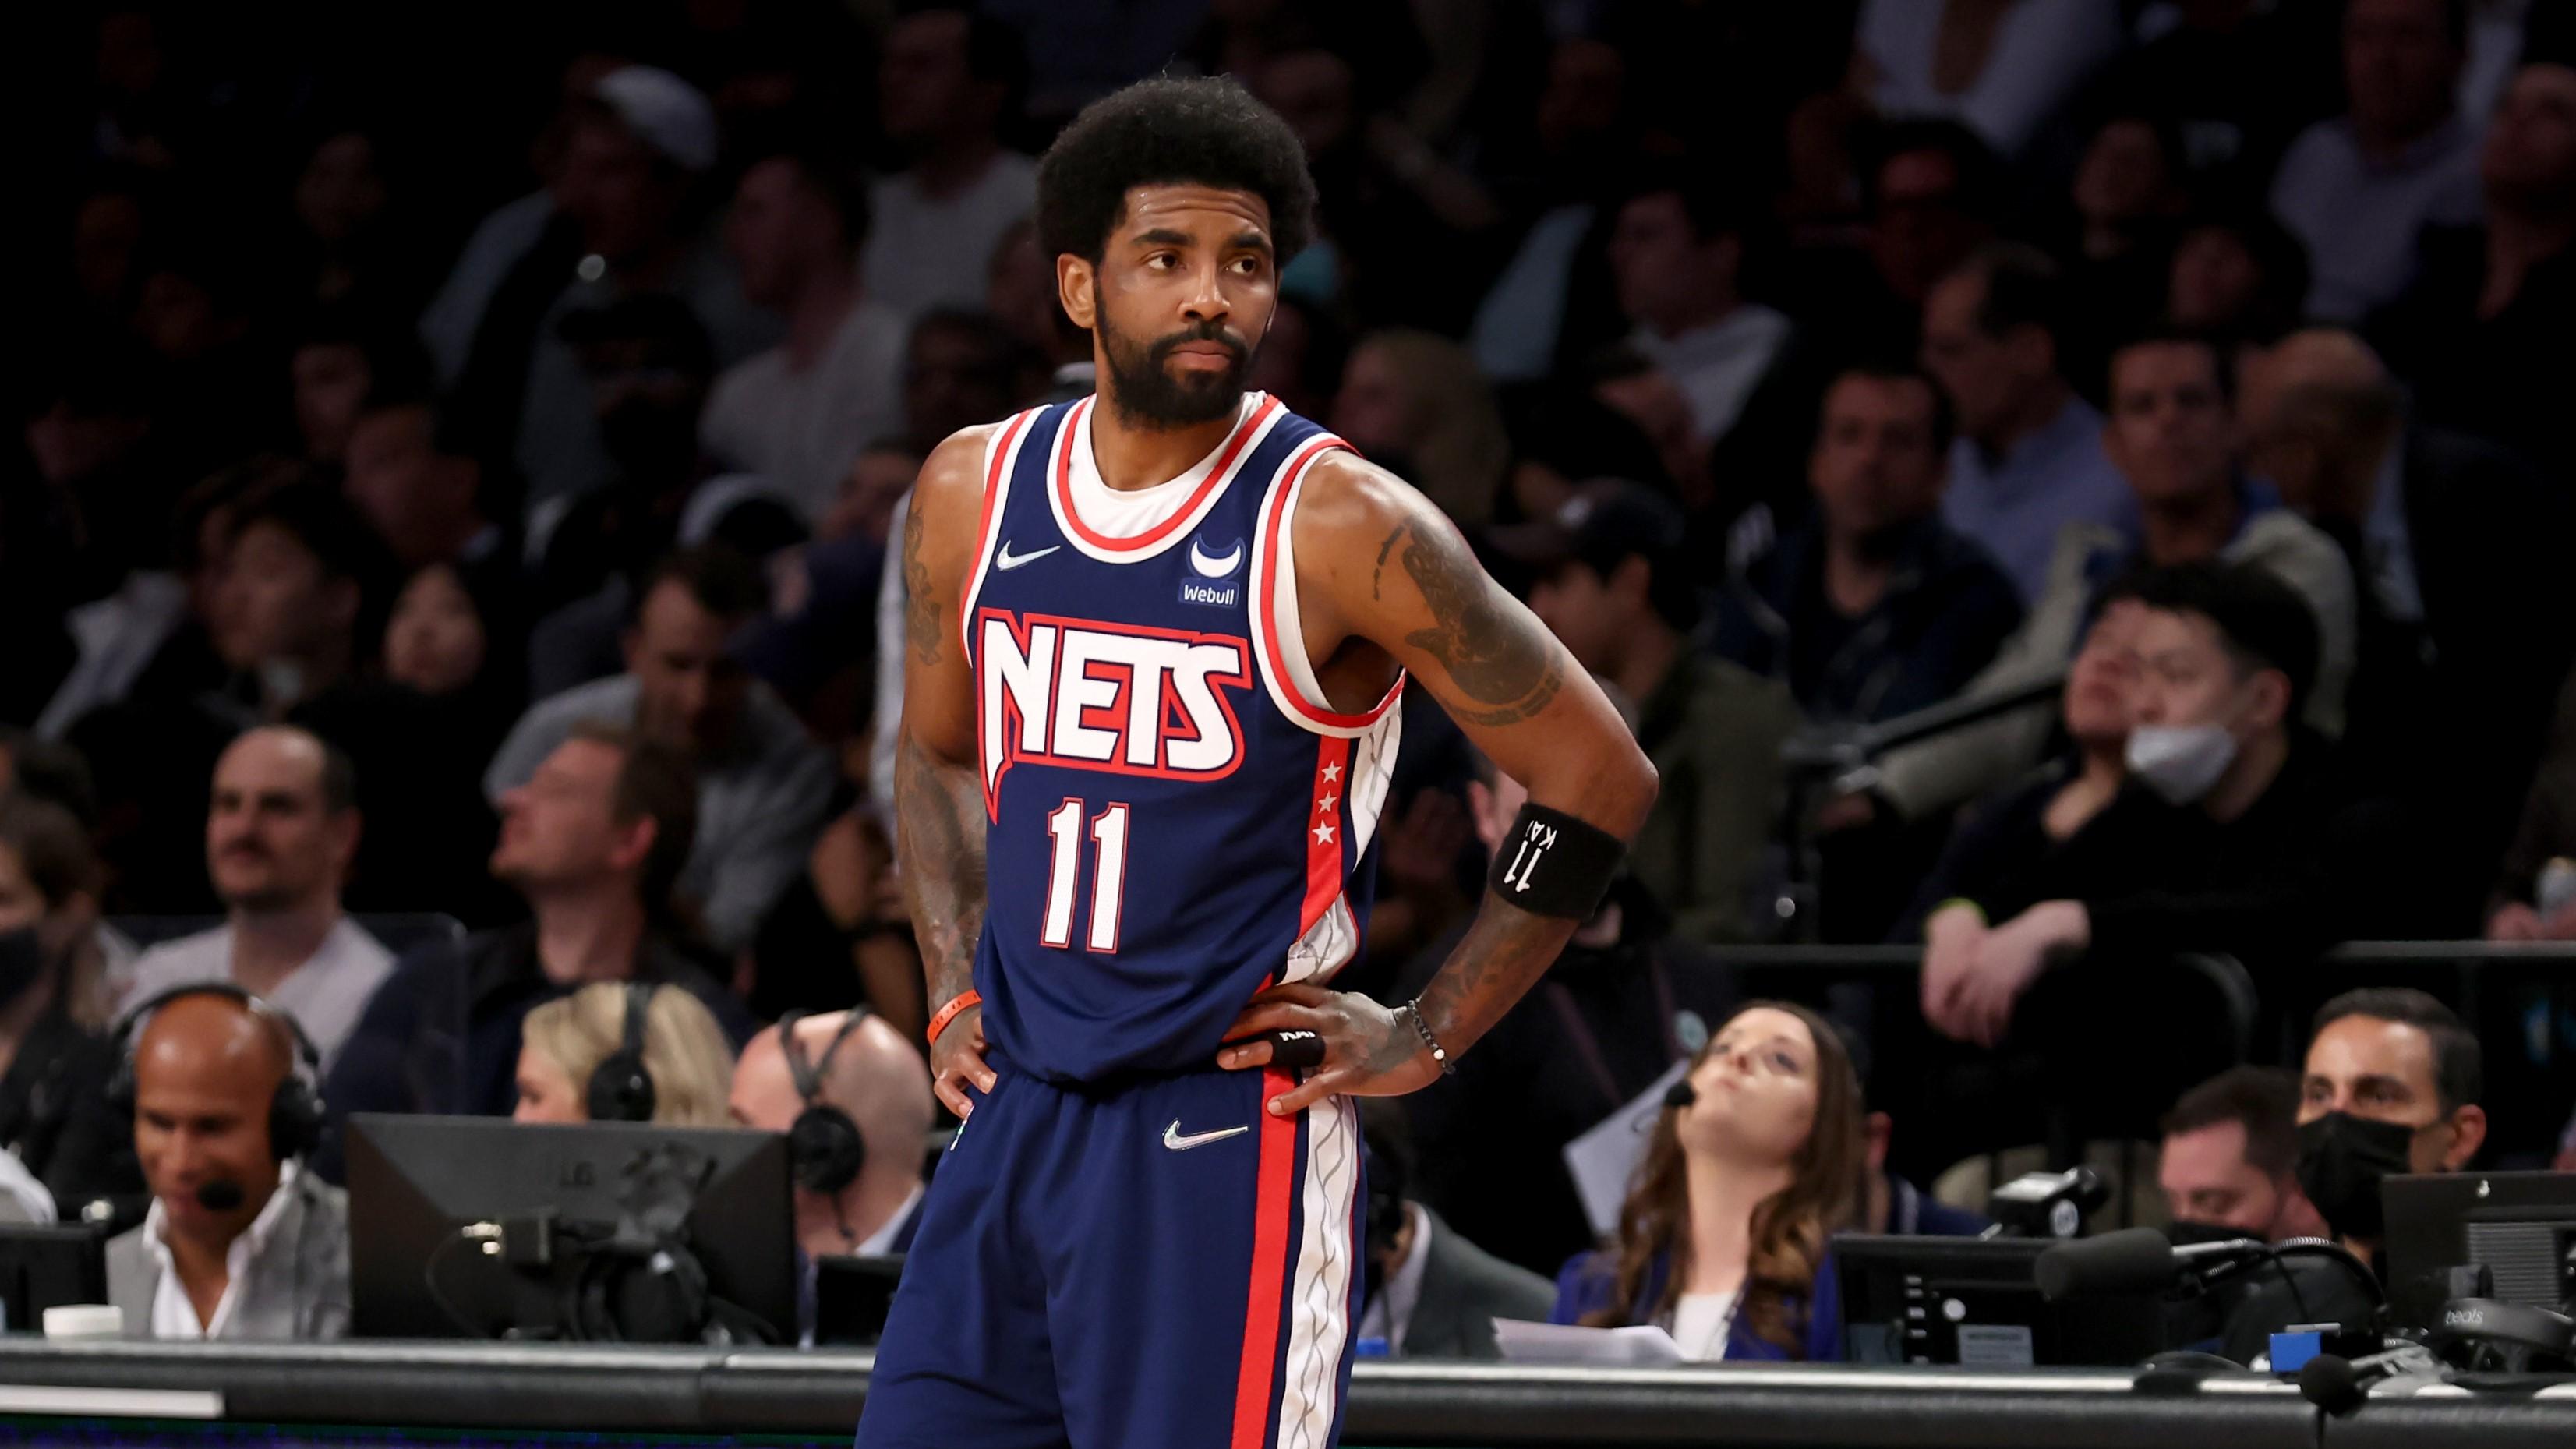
x: 594, y: 842
x: 2458, y: 549
x: 1431, y: 1292
x: 1876, y: 607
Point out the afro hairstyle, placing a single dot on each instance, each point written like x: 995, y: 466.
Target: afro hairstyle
x: 1210, y: 132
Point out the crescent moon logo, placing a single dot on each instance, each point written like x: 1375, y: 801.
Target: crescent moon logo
x: 1220, y: 567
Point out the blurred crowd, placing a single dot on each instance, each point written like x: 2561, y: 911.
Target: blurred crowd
x: 445, y: 565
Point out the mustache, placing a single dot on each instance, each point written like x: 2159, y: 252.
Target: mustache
x: 1216, y: 332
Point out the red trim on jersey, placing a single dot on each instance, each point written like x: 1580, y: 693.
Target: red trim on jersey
x: 1265, y: 585
x: 984, y: 525
x: 1234, y: 447
x: 1324, y: 857
x: 1256, y: 1381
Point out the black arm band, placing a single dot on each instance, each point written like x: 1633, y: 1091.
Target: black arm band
x: 1552, y: 864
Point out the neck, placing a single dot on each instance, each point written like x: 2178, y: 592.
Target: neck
x: 954, y: 162
x: 2517, y: 241
x: 1652, y: 651
x: 1858, y: 568
x: 827, y: 296
x: 1704, y: 311
x: 2256, y: 766
x: 1723, y: 1195
x: 2190, y: 528
x: 2384, y: 144
x: 590, y: 933
x: 1131, y: 455
x: 835, y: 1226
x: 2098, y: 777
x: 2036, y: 411
x: 268, y: 946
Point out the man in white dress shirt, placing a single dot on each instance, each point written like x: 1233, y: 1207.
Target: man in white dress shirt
x: 281, y: 829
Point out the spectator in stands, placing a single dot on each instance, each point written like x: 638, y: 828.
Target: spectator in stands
x: 763, y: 786
x: 2357, y: 187
x: 564, y: 1044
x: 2237, y: 276
x: 301, y: 595
x: 842, y: 933
x: 1612, y: 587
x: 639, y: 146
x: 1677, y: 254
x: 2172, y: 434
x: 1417, y: 398
x: 1019, y: 293
x: 863, y: 506
x: 799, y: 413
x: 593, y: 842
x: 54, y: 1113
x: 2463, y: 630
x: 2130, y: 196
x: 949, y: 82
x: 1722, y: 1238
x: 416, y: 481
x: 858, y: 1179
x: 2229, y: 1166
x: 1877, y: 608
x: 2534, y: 898
x: 2391, y: 1086
x: 2233, y: 838
x: 2011, y: 832
x: 1931, y: 198
x: 1428, y: 1292
x: 241, y: 1242
x: 2002, y: 70
x: 2238, y: 79
x: 960, y: 369
x: 2030, y: 458
x: 341, y: 360
x: 1626, y: 1001
x: 2478, y: 335
x: 280, y: 837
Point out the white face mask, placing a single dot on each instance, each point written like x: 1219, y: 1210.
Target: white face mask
x: 2180, y: 762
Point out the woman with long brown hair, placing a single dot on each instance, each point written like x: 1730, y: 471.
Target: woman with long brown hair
x: 1722, y: 1238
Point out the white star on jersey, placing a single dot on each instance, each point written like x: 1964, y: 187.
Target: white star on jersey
x: 1324, y: 833
x: 1333, y: 771
x: 1327, y: 802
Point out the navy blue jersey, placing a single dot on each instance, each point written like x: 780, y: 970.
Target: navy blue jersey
x: 1177, y: 818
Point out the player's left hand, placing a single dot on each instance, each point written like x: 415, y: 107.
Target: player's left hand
x: 1368, y: 1050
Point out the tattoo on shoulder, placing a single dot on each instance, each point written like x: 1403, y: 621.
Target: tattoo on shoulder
x: 1496, y: 660
x: 921, y: 613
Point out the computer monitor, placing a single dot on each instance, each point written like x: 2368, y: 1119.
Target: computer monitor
x: 426, y: 1192
x: 48, y: 1265
x: 2519, y: 1226
x: 852, y: 1296
x: 1976, y: 1302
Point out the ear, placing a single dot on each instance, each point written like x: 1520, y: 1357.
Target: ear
x: 630, y: 644
x: 2032, y: 350
x: 347, y: 828
x: 2468, y: 1134
x: 2271, y: 698
x: 634, y: 843
x: 1074, y: 280
x: 1876, y: 1129
x: 1632, y: 580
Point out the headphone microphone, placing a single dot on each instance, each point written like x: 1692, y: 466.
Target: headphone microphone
x: 1681, y: 1094
x: 220, y: 1196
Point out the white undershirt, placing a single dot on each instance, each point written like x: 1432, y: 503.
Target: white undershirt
x: 1700, y: 1323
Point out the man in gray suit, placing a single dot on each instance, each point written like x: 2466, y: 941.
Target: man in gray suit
x: 1431, y: 1293
x: 239, y: 1242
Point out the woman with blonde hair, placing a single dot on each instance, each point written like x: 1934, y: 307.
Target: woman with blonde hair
x: 564, y: 1043
x: 1749, y: 1171
x: 1417, y: 401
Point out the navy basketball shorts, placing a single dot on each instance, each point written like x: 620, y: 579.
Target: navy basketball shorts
x: 1163, y: 1265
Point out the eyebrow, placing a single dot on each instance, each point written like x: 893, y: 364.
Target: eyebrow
x: 1163, y: 236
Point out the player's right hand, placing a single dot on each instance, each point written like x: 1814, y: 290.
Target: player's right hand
x: 957, y: 1062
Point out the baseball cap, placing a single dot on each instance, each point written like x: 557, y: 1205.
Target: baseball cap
x: 668, y: 113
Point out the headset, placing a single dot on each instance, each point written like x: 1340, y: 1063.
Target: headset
x: 621, y: 1086
x: 825, y: 1144
x: 295, y: 1113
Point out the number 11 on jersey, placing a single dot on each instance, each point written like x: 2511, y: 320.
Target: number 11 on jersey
x: 1108, y: 875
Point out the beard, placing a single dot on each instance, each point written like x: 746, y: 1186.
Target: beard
x: 1143, y: 388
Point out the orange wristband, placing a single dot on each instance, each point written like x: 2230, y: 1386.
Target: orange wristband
x: 949, y: 1012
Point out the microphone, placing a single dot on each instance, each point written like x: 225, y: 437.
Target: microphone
x: 2339, y: 1385
x: 1680, y: 1094
x: 220, y: 1196
x: 2135, y: 1260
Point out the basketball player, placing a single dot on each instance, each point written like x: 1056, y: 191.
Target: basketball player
x: 1154, y: 652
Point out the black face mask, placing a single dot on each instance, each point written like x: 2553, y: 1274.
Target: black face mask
x: 2342, y: 1159
x: 22, y: 960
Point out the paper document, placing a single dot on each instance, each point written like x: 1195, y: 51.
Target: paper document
x: 1639, y: 1346
x: 1605, y: 1157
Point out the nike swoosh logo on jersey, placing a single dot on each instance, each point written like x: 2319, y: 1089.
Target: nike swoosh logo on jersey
x: 1173, y: 1139
x: 1215, y: 568
x: 1006, y: 560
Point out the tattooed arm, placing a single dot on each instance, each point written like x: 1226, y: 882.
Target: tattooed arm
x: 938, y: 799
x: 1379, y: 567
